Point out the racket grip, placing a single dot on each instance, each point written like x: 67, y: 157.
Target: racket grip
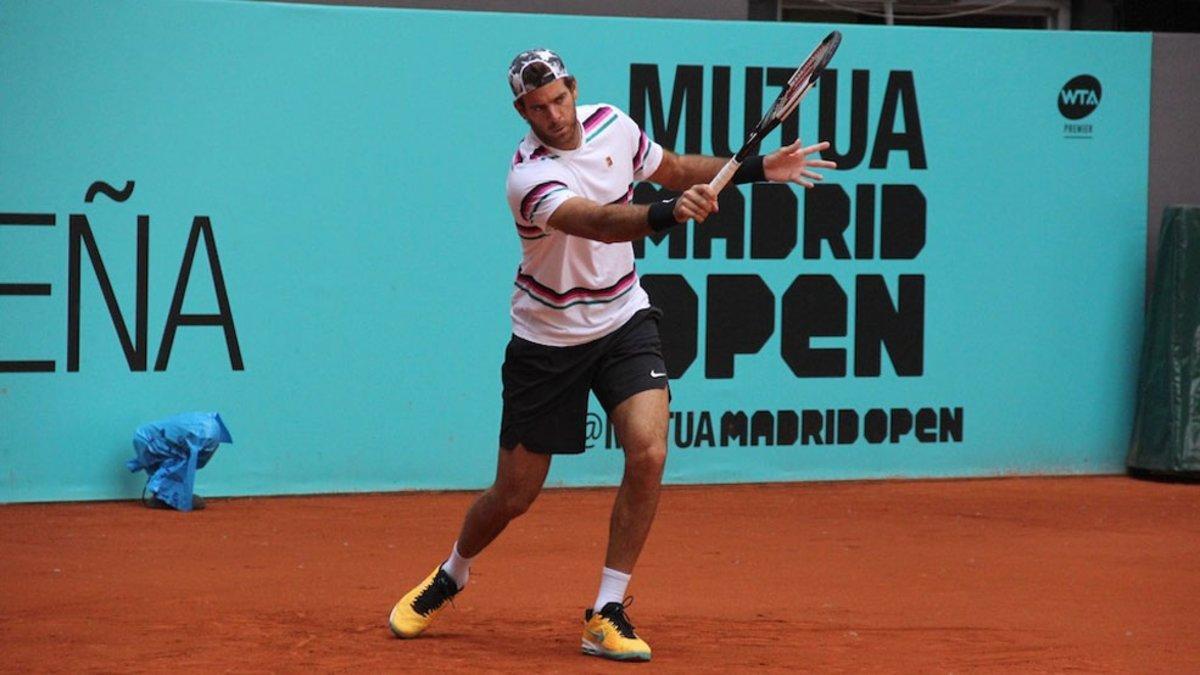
x: 723, y: 176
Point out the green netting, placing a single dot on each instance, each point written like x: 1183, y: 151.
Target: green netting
x: 1166, y: 429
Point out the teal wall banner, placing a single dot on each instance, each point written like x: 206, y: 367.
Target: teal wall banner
x: 294, y: 215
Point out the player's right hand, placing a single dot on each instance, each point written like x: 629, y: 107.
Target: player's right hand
x: 696, y: 203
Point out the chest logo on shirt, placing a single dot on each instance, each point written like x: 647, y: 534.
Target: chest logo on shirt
x: 608, y: 160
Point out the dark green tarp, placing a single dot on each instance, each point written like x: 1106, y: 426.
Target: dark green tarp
x: 1166, y: 428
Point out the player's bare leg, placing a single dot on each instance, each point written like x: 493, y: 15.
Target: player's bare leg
x: 641, y: 424
x: 519, y: 478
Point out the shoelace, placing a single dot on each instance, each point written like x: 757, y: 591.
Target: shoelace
x: 435, y: 595
x: 619, y: 619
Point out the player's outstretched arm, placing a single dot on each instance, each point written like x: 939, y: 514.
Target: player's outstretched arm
x: 790, y: 164
x: 677, y: 172
x: 611, y: 223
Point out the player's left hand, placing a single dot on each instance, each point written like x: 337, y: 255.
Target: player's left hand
x: 792, y: 164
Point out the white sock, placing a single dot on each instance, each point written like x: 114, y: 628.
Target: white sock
x: 612, y: 587
x: 458, y: 567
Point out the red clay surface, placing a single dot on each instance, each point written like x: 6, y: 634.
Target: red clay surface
x: 1020, y: 575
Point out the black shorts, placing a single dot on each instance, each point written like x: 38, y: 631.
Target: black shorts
x: 546, y: 388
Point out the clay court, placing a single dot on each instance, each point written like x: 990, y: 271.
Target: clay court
x: 1021, y: 575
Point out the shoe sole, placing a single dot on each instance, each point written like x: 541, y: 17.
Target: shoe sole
x: 402, y: 636
x: 593, y: 650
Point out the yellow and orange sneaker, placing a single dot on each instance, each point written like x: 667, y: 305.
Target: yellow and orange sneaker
x: 608, y: 633
x: 415, y: 611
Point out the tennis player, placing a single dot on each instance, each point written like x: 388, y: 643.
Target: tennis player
x: 581, y: 322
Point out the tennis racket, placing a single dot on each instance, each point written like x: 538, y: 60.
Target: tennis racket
x: 797, y: 86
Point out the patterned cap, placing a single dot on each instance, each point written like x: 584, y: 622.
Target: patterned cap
x: 534, y: 68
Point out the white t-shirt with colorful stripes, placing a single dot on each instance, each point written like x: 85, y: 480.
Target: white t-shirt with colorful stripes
x: 571, y: 290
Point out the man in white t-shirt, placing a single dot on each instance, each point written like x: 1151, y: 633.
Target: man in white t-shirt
x: 581, y: 322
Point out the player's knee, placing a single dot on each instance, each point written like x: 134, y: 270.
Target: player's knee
x: 649, y: 459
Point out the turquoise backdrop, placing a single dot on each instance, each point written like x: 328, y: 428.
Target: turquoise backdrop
x: 351, y: 163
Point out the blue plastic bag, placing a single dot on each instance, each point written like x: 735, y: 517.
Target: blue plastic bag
x: 171, y: 451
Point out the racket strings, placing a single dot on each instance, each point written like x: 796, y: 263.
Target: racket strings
x: 806, y: 76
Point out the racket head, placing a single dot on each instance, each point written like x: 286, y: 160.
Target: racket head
x: 804, y: 78
x: 797, y: 85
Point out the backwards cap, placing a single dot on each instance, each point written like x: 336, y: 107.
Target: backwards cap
x: 534, y: 68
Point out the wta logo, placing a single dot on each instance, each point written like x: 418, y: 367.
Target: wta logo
x: 1079, y: 97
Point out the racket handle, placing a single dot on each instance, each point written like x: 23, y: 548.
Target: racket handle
x: 725, y: 175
